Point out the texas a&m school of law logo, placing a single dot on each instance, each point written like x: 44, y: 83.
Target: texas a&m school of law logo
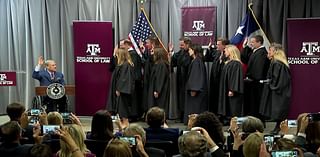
x: 92, y: 55
x: 309, y: 54
x: 7, y: 78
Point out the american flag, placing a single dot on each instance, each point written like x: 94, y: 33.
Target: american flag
x: 140, y: 31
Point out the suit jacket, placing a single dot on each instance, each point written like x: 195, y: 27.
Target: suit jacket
x: 15, y: 149
x: 162, y: 134
x: 45, y: 79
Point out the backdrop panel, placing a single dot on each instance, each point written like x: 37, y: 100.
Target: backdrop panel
x: 199, y: 23
x: 304, y: 57
x: 92, y: 50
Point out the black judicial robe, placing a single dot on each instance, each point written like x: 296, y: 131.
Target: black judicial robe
x: 160, y: 82
x: 122, y: 80
x: 181, y: 60
x: 231, y: 80
x: 257, y: 69
x: 276, y: 94
x: 197, y: 81
x: 147, y: 64
x: 216, y: 68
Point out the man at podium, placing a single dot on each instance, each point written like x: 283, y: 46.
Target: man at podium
x: 47, y: 76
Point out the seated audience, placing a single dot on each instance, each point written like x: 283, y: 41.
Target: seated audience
x: 11, y: 134
x: 77, y: 134
x: 138, y: 132
x: 117, y: 148
x: 252, y: 145
x: 210, y: 122
x: 155, y: 118
x: 101, y: 126
x: 40, y: 150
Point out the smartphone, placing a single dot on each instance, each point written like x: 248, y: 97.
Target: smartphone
x: 115, y: 118
x: 292, y: 123
x: 49, y: 129
x: 284, y: 153
x: 130, y: 139
x: 313, y: 117
x: 240, y: 120
x: 34, y: 112
x: 66, y: 117
x: 184, y: 132
x: 269, y: 141
x: 33, y: 120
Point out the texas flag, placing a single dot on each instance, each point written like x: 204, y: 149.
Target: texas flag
x: 248, y: 28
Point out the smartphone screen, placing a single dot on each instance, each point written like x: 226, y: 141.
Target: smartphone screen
x: 269, y: 141
x: 313, y: 117
x: 284, y: 153
x: 49, y: 129
x: 130, y: 139
x: 66, y: 118
x: 34, y: 112
x: 292, y: 123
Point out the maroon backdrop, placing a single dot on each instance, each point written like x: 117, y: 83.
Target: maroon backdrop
x: 199, y: 23
x: 303, y: 56
x: 8, y: 78
x: 92, y: 51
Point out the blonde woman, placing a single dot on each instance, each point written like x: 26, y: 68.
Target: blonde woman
x: 277, y: 88
x: 122, y: 86
x: 77, y: 134
x: 231, y: 84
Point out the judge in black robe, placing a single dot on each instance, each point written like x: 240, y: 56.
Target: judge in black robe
x: 181, y: 60
x: 257, y: 69
x: 123, y: 82
x: 159, y: 87
x: 277, y: 88
x: 196, y: 86
x: 231, y: 84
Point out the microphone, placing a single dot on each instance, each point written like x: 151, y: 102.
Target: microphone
x: 57, y: 80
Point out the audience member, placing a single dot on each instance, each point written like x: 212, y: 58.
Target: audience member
x: 77, y: 134
x: 40, y: 150
x: 11, y: 135
x: 252, y: 144
x: 138, y: 132
x: 70, y: 144
x: 101, y: 126
x: 117, y: 148
x: 210, y: 122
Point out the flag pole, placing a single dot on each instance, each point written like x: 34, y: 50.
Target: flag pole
x: 142, y: 9
x: 255, y: 19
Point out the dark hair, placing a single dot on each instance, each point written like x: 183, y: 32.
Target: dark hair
x: 101, y: 126
x: 259, y: 39
x: 155, y: 117
x: 40, y: 150
x: 15, y: 110
x: 11, y: 131
x: 210, y: 122
x: 224, y: 41
x: 252, y: 124
x: 197, y: 50
x: 154, y: 41
x: 186, y: 40
x: 127, y: 42
x: 284, y: 144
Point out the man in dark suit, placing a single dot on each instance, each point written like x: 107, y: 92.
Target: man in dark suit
x: 47, y: 76
x: 11, y: 134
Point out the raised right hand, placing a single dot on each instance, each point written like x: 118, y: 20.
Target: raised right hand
x: 40, y: 60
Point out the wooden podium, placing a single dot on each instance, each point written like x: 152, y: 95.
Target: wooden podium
x: 69, y: 90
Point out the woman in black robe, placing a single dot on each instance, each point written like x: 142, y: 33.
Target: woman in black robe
x: 277, y: 88
x: 159, y: 86
x: 122, y: 86
x: 231, y: 84
x: 196, y: 86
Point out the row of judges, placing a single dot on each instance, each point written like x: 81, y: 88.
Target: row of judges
x: 254, y: 82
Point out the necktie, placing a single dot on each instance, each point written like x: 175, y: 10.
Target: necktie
x: 52, y: 75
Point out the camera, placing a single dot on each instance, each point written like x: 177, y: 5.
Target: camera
x: 292, y: 123
x: 269, y: 141
x: 130, y: 139
x: 34, y: 112
x: 240, y: 120
x: 66, y: 118
x: 313, y: 117
x: 49, y: 129
x: 284, y: 153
